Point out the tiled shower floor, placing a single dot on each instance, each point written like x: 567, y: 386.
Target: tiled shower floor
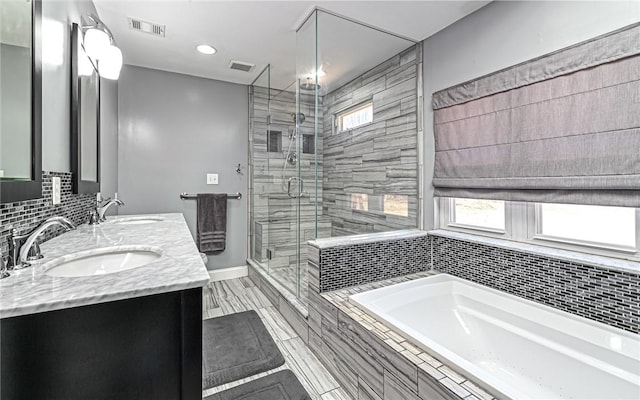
x: 236, y: 295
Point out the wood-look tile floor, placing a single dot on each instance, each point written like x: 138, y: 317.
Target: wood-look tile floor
x: 236, y: 295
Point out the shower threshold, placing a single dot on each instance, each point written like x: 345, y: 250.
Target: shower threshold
x: 300, y: 304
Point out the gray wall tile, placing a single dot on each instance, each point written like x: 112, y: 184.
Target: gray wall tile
x: 336, y: 365
x: 429, y: 388
x: 361, y: 363
x: 297, y: 322
x: 394, y: 390
x: 365, y: 392
x: 405, y: 371
x: 356, y: 162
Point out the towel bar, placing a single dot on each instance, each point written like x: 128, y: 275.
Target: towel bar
x: 186, y: 196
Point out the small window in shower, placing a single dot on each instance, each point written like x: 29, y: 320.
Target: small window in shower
x: 274, y: 141
x: 355, y: 117
x: 308, y: 144
x: 360, y: 201
x: 396, y: 204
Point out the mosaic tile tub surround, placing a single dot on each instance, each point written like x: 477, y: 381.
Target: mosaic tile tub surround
x: 604, y: 295
x: 342, y: 262
x: 372, y: 361
x: 25, y: 215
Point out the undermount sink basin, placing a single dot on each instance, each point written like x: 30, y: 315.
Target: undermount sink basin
x: 138, y: 220
x: 103, y: 261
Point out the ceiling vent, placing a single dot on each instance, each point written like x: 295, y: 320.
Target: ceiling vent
x: 241, y: 66
x: 147, y: 27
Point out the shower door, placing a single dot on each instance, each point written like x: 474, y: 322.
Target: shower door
x: 286, y: 160
x: 281, y: 157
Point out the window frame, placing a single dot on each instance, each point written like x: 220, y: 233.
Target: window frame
x: 537, y: 235
x: 338, y: 115
x: 452, y: 221
x: 522, y: 224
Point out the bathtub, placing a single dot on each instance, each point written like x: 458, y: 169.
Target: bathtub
x: 513, y: 347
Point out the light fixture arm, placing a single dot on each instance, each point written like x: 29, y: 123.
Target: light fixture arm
x: 95, y: 22
x: 100, y: 46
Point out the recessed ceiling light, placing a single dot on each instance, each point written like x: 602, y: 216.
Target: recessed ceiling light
x: 206, y: 49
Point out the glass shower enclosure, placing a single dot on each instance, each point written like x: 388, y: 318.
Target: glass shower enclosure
x: 334, y: 143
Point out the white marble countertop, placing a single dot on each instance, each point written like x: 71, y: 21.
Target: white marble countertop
x: 30, y: 290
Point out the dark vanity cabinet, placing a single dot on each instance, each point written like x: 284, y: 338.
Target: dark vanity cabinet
x: 143, y: 348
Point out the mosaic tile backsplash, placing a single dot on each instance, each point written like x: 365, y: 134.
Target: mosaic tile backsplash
x: 25, y: 215
x: 608, y: 296
x: 356, y: 264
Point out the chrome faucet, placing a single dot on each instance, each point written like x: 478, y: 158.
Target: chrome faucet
x: 103, y: 209
x: 24, y: 249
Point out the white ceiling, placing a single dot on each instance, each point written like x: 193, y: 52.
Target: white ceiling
x: 262, y: 32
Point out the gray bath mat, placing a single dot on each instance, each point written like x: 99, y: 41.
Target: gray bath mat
x: 282, y: 385
x: 236, y: 346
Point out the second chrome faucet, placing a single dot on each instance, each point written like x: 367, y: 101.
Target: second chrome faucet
x: 98, y: 215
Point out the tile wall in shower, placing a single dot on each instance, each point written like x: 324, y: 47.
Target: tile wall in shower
x: 371, y: 173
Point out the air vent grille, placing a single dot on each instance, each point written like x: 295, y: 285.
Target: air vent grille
x: 241, y: 66
x: 147, y: 27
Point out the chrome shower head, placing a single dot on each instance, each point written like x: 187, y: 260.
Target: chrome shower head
x: 309, y: 85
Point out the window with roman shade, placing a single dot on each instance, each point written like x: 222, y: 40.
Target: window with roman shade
x: 562, y: 128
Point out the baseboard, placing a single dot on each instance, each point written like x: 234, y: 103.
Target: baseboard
x: 228, y: 273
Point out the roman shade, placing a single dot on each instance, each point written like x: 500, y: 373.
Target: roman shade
x: 562, y: 128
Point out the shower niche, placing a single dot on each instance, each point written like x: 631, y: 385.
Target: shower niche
x: 310, y: 176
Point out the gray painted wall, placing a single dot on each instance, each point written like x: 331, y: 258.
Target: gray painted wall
x: 502, y: 34
x: 109, y: 140
x: 173, y: 130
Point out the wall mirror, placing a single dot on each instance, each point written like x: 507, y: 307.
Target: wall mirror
x: 85, y: 118
x: 20, y: 100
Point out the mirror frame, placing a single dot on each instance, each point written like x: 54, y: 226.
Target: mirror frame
x: 78, y: 185
x: 16, y: 190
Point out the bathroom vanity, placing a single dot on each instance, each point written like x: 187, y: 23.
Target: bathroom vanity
x: 112, y: 311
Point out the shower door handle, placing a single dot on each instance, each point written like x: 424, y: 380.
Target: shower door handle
x: 300, y: 187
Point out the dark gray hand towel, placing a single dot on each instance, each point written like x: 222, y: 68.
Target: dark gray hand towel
x: 211, y: 222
